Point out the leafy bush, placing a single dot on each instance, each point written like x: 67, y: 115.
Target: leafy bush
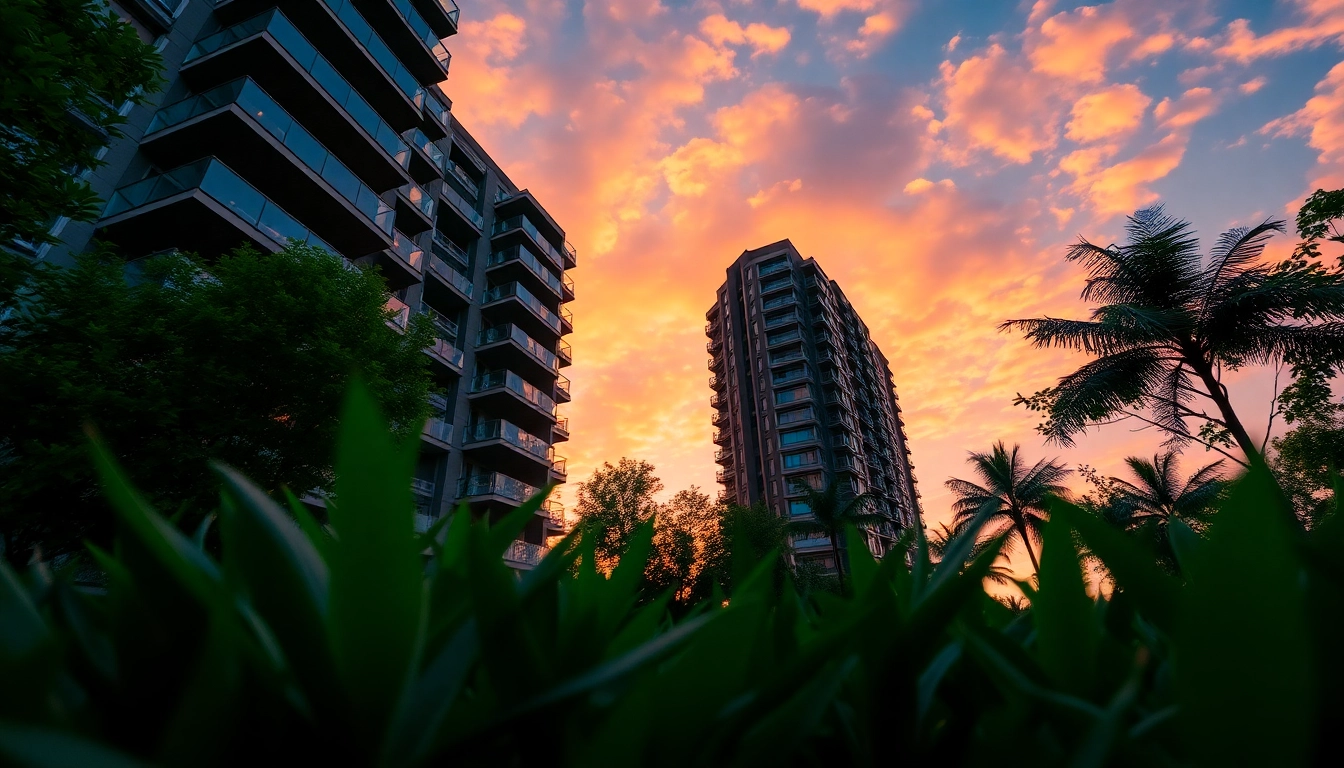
x: 364, y: 644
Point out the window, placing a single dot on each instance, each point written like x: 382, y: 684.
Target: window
x: 790, y: 395
x: 797, y: 436
x: 799, y: 508
x: 800, y: 459
x: 794, y: 416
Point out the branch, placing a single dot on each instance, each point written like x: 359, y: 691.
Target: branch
x: 1204, y: 443
x: 1273, y: 403
x: 1201, y: 415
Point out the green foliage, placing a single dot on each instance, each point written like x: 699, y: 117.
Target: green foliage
x: 363, y: 644
x: 830, y: 511
x: 246, y: 364
x: 69, y: 65
x: 614, y: 502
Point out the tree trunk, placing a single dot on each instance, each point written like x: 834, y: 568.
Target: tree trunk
x: 1224, y: 404
x: 839, y: 567
x: 1026, y: 541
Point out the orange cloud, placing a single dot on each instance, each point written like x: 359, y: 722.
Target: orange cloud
x: 992, y: 102
x: 762, y: 38
x: 829, y: 8
x: 1075, y: 44
x: 875, y: 29
x: 1321, y: 118
x: 1320, y: 22
x: 1193, y: 105
x: 1108, y: 113
x: 1123, y: 187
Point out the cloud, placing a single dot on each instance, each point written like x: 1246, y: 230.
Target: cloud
x: 1193, y: 105
x: 875, y: 30
x: 761, y: 37
x: 1319, y: 22
x: 1075, y: 44
x: 1123, y: 187
x: 993, y: 102
x: 1321, y: 118
x: 1251, y: 86
x: 829, y: 8
x: 952, y: 44
x: 922, y: 185
x: 1108, y: 113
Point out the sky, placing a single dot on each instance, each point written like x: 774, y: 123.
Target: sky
x: 936, y: 159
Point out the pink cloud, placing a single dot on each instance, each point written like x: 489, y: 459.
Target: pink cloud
x: 761, y: 37
x: 1108, y: 113
x: 1321, y: 119
x: 1319, y: 22
x: 993, y: 102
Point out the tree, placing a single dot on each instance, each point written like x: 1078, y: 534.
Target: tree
x: 1148, y: 506
x: 686, y: 527
x: 834, y: 508
x: 746, y: 535
x: 246, y: 364
x: 69, y: 65
x: 1013, y: 495
x: 999, y: 572
x: 1170, y: 324
x: 614, y: 502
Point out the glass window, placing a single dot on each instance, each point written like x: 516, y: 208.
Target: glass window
x: 799, y: 508
x: 233, y: 192
x: 800, y: 459
x: 790, y: 395
x: 340, y: 177
x: 797, y: 436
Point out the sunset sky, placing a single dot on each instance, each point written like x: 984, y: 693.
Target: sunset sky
x: 934, y: 157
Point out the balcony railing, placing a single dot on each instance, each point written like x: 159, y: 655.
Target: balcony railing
x: 564, y: 351
x: 562, y: 424
x: 522, y: 222
x: 216, y: 180
x: 417, y: 138
x: 471, y: 184
x: 405, y: 248
x: 567, y: 316
x: 284, y: 33
x: 456, y: 279
x: 499, y: 429
x: 422, y: 30
x: 402, y: 316
x: 450, y: 250
x: 509, y: 331
x: 422, y: 487
x: 525, y: 552
x: 722, y: 455
x: 418, y: 197
x: 562, y: 385
x: 558, y: 463
x: 438, y: 429
x: 496, y: 484
x: 771, y: 269
x: 447, y: 352
x: 445, y: 327
x: 779, y: 301
x: 534, y: 265
x: 378, y: 50
x: 781, y: 338
x: 774, y: 285
x: 501, y: 292
x: 462, y: 205
x: 514, y: 383
x: 450, y: 10
x: 778, y: 320
x: 438, y: 110
x: 785, y: 357
x: 277, y: 122
x: 722, y: 437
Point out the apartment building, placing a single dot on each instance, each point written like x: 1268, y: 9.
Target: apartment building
x: 803, y: 396
x: 326, y: 122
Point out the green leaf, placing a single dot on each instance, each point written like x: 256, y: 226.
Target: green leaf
x: 38, y: 747
x: 862, y: 566
x: 310, y: 527
x: 376, y: 573
x: 1245, y: 668
x: 22, y: 630
x: 1066, y: 634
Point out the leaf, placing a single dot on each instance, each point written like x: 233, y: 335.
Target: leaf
x: 376, y: 573
x: 22, y: 630
x: 310, y: 527
x: 1066, y: 634
x: 31, y: 745
x: 772, y: 740
x: 862, y: 566
x: 1245, y: 658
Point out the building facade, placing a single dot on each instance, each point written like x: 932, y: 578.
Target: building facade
x: 326, y: 122
x: 802, y: 396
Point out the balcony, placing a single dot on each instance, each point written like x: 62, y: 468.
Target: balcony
x: 445, y: 354
x: 778, y: 321
x: 567, y: 287
x: 437, y: 434
x: 451, y: 288
x: 719, y: 419
x: 565, y: 352
x: 508, y: 346
x: 415, y: 208
x: 504, y: 227
x: 566, y: 320
x: 724, y: 456
x: 725, y: 477
x: 562, y: 390
x: 555, y: 516
x: 770, y: 286
x: 717, y: 401
x: 787, y: 356
x: 497, y: 487
x: 524, y: 555
x: 260, y: 141
x: 779, y: 301
x: 789, y: 377
x: 440, y: 112
x: 422, y: 488
x: 716, y: 364
x: 560, y: 432
x: 518, y: 263
x: 713, y: 346
x: 203, y: 207
x: 723, y: 437
x: 428, y: 161
x: 407, y: 32
x: 775, y: 339
x: 451, y: 251
x: 770, y: 269
x: 444, y: 327
x: 512, y: 303
x: 441, y: 14
x: 810, y: 542
x: 718, y: 382
x: 500, y: 443
x: 506, y: 389
x: 401, y: 314
x: 471, y: 185
x: 559, y: 467
x: 466, y: 212
x: 403, y: 263
x: 270, y: 49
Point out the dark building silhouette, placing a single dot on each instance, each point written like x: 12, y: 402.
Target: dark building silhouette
x: 325, y: 121
x: 802, y: 395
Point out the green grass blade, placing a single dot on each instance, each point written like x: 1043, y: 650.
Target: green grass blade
x: 38, y: 747
x: 1066, y: 633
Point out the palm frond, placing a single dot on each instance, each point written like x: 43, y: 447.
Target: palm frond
x: 1103, y: 388
x: 1235, y: 249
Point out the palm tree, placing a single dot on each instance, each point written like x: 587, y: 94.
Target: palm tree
x: 1169, y: 323
x: 833, y: 508
x: 1160, y: 496
x: 940, y: 539
x: 1013, y: 495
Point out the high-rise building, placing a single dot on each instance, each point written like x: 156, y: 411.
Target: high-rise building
x: 802, y: 395
x: 324, y: 121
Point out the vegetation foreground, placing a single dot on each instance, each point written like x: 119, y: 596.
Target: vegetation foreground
x: 360, y: 642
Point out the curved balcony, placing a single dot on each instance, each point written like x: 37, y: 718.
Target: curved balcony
x: 508, y: 346
x: 560, y: 432
x: 203, y: 207
x: 415, y: 208
x: 272, y: 51
x: 512, y: 303
x: 723, y: 437
x: 724, y: 456
x: 259, y: 140
x: 506, y: 446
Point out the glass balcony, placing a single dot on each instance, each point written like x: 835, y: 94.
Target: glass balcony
x: 567, y: 316
x: 525, y: 553
x: 564, y: 351
x: 421, y: 29
x: 562, y: 385
x: 277, y: 122
x: 438, y: 429
x: 463, y: 206
x: 779, y: 301
x: 784, y: 319
x: 473, y: 187
x: 559, y: 465
x: 452, y: 276
x: 443, y: 113
x: 418, y: 197
x: 450, y: 250
x: 380, y: 52
x: 534, y: 265
x: 782, y: 338
x: 444, y: 327
x: 514, y: 383
x: 422, y: 487
x: 561, y: 428
x: 522, y: 222
x: 514, y: 290
x: 510, y: 332
x: 214, y: 179
x: 274, y: 23
x: 770, y: 269
x: 446, y: 352
x: 496, y: 484
x: 402, y: 316
x: 568, y: 283
x: 786, y: 357
x: 417, y: 138
x: 450, y: 9
x: 406, y: 250
x: 499, y: 429
x: 775, y: 285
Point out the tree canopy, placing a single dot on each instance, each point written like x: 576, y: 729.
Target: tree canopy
x: 174, y: 365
